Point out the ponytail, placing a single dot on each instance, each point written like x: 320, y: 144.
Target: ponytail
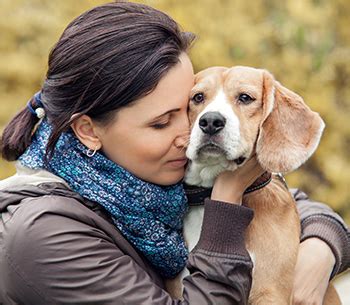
x: 17, y: 134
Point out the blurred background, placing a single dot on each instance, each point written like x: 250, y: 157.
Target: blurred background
x: 304, y: 43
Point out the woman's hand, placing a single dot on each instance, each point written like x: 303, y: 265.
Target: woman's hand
x: 312, y: 272
x: 229, y: 186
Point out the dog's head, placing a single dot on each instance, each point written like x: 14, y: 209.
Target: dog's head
x: 235, y: 112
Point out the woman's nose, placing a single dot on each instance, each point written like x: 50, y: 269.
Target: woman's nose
x: 182, y: 140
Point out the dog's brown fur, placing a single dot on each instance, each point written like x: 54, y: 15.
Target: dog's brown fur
x: 273, y: 238
x: 283, y: 132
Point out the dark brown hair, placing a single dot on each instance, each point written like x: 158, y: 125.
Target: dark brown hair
x: 105, y: 59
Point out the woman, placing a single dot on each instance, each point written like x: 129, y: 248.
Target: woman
x: 94, y: 213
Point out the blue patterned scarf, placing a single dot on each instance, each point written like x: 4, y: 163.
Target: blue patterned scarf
x: 148, y: 215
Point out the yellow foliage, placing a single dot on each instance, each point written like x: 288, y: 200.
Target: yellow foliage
x: 304, y: 43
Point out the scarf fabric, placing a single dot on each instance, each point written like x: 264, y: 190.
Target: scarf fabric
x: 148, y: 215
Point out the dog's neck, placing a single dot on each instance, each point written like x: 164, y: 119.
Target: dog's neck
x: 197, y: 194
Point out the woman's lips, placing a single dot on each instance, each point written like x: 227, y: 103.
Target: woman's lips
x: 178, y: 162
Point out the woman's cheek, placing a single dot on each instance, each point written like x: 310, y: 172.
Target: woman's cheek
x: 156, y: 147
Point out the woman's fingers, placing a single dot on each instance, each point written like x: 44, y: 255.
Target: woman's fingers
x: 312, y: 272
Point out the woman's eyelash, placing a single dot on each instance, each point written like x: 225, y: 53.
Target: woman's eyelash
x: 160, y: 125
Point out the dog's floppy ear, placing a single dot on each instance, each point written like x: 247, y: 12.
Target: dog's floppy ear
x: 289, y: 131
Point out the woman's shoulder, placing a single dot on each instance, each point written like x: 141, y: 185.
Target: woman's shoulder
x: 47, y: 220
x: 50, y: 238
x: 35, y: 200
x: 48, y: 214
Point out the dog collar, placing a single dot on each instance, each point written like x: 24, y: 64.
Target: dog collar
x: 196, y: 194
x: 259, y: 183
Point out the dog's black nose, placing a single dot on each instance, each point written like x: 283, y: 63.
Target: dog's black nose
x: 212, y: 122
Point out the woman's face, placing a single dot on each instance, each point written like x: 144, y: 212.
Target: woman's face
x: 149, y: 137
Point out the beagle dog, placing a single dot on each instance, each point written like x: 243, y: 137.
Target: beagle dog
x: 236, y: 113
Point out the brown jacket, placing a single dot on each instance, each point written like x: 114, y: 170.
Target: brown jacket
x: 58, y: 248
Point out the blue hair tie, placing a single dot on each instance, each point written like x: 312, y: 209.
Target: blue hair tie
x: 37, y: 97
x: 39, y: 111
x: 29, y: 106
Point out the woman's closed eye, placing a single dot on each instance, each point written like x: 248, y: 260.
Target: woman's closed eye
x: 162, y: 122
x: 166, y: 120
x: 161, y: 125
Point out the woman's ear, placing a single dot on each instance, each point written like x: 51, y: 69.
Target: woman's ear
x: 85, y: 130
x: 289, y: 131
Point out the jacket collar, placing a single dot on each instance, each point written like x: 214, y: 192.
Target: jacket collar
x: 32, y: 183
x: 27, y: 176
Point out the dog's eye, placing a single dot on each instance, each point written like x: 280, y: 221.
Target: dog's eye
x: 198, y: 98
x: 245, y: 98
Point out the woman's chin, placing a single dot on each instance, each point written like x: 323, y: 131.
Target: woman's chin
x: 170, y: 178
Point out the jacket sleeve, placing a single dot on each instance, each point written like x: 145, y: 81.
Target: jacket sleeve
x: 319, y: 220
x: 74, y: 262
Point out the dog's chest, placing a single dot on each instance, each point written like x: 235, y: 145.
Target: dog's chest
x: 191, y: 230
x: 193, y: 225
